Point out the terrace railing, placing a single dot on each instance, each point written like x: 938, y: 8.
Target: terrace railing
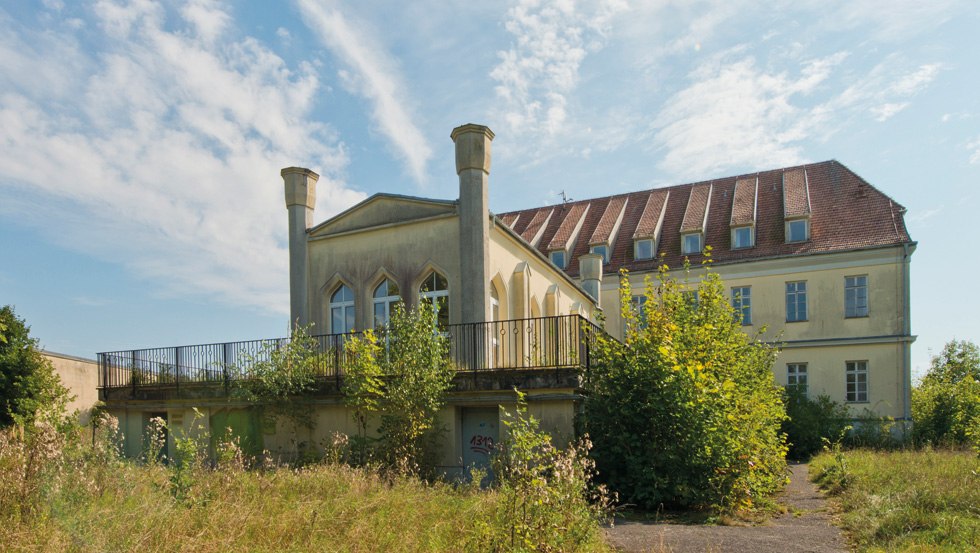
x: 561, y: 342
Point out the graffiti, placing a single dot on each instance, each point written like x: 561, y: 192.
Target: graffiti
x: 481, y: 444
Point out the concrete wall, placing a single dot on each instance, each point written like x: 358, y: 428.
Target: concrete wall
x: 827, y: 339
x: 81, y: 377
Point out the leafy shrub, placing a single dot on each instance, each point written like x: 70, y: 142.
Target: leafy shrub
x: 686, y: 410
x: 810, y: 421
x: 946, y: 404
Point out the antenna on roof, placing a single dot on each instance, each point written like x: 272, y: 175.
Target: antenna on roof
x: 564, y: 198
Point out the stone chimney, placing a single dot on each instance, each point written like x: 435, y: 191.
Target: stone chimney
x: 473, y: 167
x: 300, y: 186
x: 590, y: 270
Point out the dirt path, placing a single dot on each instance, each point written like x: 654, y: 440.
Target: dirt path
x: 806, y: 528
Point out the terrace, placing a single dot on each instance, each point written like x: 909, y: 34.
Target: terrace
x: 540, y: 352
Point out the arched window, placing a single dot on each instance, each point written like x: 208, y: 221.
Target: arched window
x: 342, y: 310
x: 435, y: 289
x: 494, y: 303
x: 385, y: 298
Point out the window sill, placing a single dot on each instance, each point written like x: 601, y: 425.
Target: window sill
x: 865, y: 402
x: 857, y: 316
x: 799, y: 321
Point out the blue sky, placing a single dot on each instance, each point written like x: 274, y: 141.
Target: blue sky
x: 141, y: 141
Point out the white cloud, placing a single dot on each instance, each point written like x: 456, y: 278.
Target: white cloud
x: 974, y: 148
x: 373, y: 75
x: 885, y: 112
x: 536, y: 74
x: 917, y: 217
x: 161, y: 150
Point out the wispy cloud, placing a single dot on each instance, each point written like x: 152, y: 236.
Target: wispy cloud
x: 374, y: 75
x: 538, y: 72
x: 921, y: 216
x: 974, y: 149
x: 158, y: 145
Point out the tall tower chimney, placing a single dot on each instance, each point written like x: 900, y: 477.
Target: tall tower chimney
x: 590, y: 271
x: 300, y: 186
x: 473, y: 167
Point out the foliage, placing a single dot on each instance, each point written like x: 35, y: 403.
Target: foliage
x: 946, y: 404
x: 546, y: 501
x: 404, y: 376
x: 810, y: 421
x: 905, y: 500
x: 28, y: 383
x: 686, y: 411
x: 869, y: 430
x: 280, y: 373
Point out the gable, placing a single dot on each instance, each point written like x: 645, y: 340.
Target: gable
x: 384, y: 210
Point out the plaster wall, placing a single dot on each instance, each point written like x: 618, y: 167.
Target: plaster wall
x: 81, y: 377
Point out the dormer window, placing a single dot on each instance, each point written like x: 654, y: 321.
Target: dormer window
x: 644, y: 248
x: 558, y: 258
x: 797, y: 230
x: 692, y: 243
x: 601, y: 249
x: 743, y: 237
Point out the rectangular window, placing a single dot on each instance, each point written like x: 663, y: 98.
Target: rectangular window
x: 558, y: 258
x: 742, y: 237
x: 602, y: 250
x: 640, y: 308
x: 643, y: 248
x: 797, y: 230
x: 691, y: 243
x: 796, y: 376
x: 856, y: 296
x: 742, y: 302
x: 857, y: 381
x: 795, y: 301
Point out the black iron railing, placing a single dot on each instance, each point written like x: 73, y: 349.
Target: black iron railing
x: 539, y: 343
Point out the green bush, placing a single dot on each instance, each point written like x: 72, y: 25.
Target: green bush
x: 946, y: 404
x: 810, y: 421
x: 685, y: 411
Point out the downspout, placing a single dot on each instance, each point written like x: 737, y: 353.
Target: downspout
x: 907, y: 250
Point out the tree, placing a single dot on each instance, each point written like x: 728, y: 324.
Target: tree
x: 946, y: 404
x: 402, y: 373
x: 28, y: 384
x: 685, y: 411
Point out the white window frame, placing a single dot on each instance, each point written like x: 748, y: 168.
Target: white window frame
x: 852, y: 306
x: 684, y: 237
x: 796, y: 293
x: 342, y: 307
x: 806, y: 230
x: 638, y: 303
x: 636, y: 248
x: 796, y: 375
x: 436, y: 297
x: 854, y: 392
x: 387, y: 301
x: 751, y: 243
x: 742, y: 303
x: 564, y: 258
x: 604, y: 254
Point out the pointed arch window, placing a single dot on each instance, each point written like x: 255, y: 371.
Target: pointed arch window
x: 435, y: 290
x: 342, y: 310
x: 386, y: 295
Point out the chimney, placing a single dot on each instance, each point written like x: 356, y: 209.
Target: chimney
x: 300, y: 187
x: 590, y: 270
x: 473, y: 167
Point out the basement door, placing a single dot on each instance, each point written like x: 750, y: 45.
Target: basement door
x: 480, y: 433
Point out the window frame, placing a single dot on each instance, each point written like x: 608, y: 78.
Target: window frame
x: 806, y: 230
x: 796, y: 292
x: 564, y: 258
x: 856, y: 314
x: 751, y: 243
x: 436, y: 296
x: 685, y: 236
x: 387, y: 301
x: 857, y: 369
x: 636, y: 248
x: 346, y: 307
x: 605, y: 251
x: 744, y: 301
x: 794, y: 371
x: 638, y: 304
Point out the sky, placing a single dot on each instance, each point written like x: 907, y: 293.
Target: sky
x: 141, y: 141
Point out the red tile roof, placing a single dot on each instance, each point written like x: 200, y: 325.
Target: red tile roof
x: 845, y: 213
x: 796, y: 193
x: 534, y: 224
x: 608, y: 221
x: 566, y: 229
x: 652, y: 214
x: 695, y: 214
x: 743, y: 201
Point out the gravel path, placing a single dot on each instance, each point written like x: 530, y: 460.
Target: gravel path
x: 806, y: 528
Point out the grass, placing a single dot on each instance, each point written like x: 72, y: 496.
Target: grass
x: 905, y: 500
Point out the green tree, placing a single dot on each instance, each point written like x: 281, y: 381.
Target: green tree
x: 403, y: 374
x: 946, y: 404
x: 685, y: 411
x: 810, y: 421
x: 28, y: 384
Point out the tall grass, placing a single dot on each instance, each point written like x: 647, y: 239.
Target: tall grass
x: 905, y: 500
x: 58, y: 495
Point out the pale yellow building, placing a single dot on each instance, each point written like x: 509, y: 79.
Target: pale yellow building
x: 813, y: 252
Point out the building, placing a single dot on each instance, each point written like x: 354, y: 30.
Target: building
x: 814, y: 252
